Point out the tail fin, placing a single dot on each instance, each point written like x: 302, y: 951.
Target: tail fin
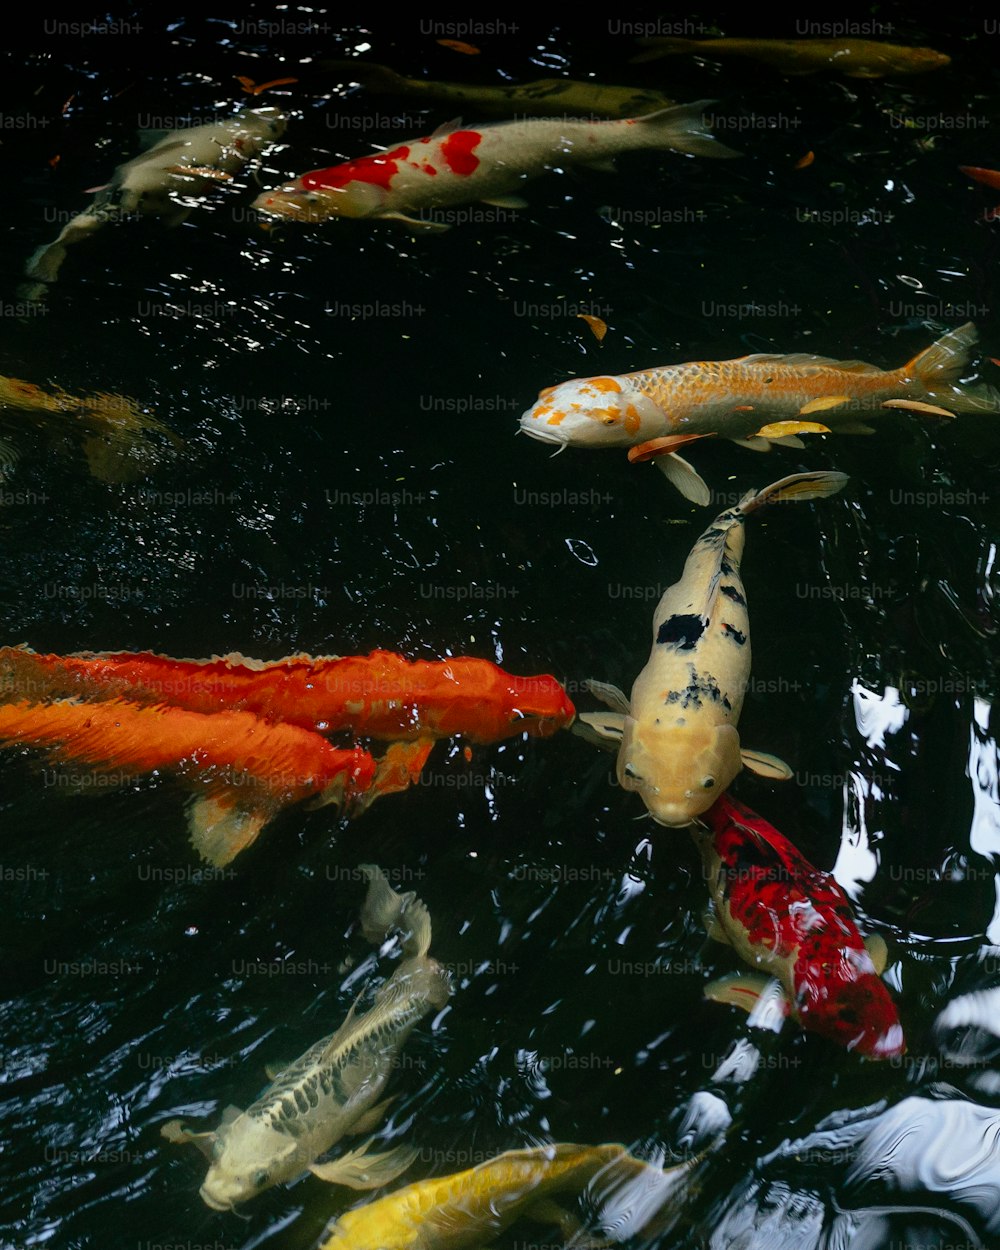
x: 798, y: 488
x: 684, y: 129
x: 384, y: 909
x: 939, y: 367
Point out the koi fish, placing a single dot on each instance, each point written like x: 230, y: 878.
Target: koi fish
x: 546, y: 97
x: 115, y: 428
x: 242, y: 769
x: 335, y: 1087
x: 472, y: 1208
x: 753, y: 400
x: 792, y: 921
x: 456, y: 166
x: 676, y: 737
x: 182, y: 163
x: 410, y: 703
x: 855, y: 58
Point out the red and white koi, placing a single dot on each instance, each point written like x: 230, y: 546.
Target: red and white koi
x: 458, y: 165
x: 754, y: 400
x: 793, y: 922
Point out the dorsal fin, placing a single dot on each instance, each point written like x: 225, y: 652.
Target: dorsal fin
x: 795, y: 359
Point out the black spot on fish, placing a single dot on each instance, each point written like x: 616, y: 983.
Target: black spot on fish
x: 732, y: 593
x: 683, y: 631
x: 726, y: 567
x: 700, y: 687
x: 288, y: 1108
x: 737, y: 635
x: 301, y: 1101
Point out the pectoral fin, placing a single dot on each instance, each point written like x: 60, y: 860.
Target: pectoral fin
x: 656, y: 447
x: 879, y: 952
x: 761, y: 997
x: 765, y: 765
x: 427, y: 227
x: 753, y: 443
x: 571, y: 1230
x: 713, y: 928
x: 824, y: 404
x: 915, y: 405
x: 785, y: 429
x: 175, y: 1133
x: 507, y: 201
x: 273, y: 1070
x: 220, y: 830
x: 611, y: 696
x: 853, y: 427
x: 602, y: 729
x: 360, y: 1170
x: 685, y: 478
x: 789, y: 440
x: 397, y: 770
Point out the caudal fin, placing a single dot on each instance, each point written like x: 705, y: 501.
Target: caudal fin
x: 384, y: 909
x: 939, y: 368
x: 683, y: 128
x: 798, y: 488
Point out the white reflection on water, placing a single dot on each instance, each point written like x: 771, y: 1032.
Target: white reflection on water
x: 877, y: 717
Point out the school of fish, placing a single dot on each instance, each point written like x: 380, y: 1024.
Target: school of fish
x: 247, y: 739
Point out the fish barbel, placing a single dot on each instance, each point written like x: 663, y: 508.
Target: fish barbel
x: 785, y: 918
x: 335, y: 1087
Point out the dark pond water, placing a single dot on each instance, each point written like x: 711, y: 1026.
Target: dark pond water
x: 309, y: 369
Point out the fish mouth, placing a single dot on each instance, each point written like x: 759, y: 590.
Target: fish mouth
x: 214, y: 1203
x: 543, y: 436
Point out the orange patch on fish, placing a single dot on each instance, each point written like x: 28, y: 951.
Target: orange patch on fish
x: 743, y: 408
x: 661, y: 446
x: 557, y: 418
x: 806, y: 160
x: 605, y: 386
x: 549, y: 390
x: 255, y: 88
x: 989, y: 177
x: 632, y: 419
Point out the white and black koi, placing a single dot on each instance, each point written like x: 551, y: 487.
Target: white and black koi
x: 678, y: 745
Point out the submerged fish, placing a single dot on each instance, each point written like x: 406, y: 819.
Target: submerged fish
x: 490, y: 163
x: 115, y: 429
x: 856, y: 58
x: 676, y: 736
x: 753, y: 400
x: 334, y: 1088
x: 789, y: 920
x: 242, y: 769
x: 161, y: 181
x: 546, y: 97
x: 410, y: 703
x: 472, y: 1208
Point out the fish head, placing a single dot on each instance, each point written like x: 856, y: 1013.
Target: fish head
x: 593, y: 412
x: 840, y: 996
x: 921, y: 60
x: 248, y: 1161
x: 265, y: 124
x: 538, y: 706
x: 296, y: 201
x: 678, y: 772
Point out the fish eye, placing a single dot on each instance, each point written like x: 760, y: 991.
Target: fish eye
x: 259, y: 1180
x: 708, y: 783
x: 629, y: 771
x: 610, y: 420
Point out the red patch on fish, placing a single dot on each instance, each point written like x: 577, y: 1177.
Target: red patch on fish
x: 378, y: 170
x: 457, y: 151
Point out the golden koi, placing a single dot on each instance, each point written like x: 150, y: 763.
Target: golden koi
x: 335, y: 1087
x: 855, y: 58
x: 115, y: 429
x: 753, y: 400
x: 471, y: 1208
x: 676, y: 736
x: 546, y: 97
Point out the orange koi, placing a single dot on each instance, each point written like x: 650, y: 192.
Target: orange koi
x: 243, y: 771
